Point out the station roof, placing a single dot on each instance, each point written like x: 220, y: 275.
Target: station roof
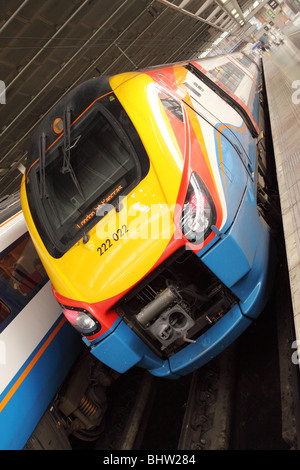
x: 47, y: 48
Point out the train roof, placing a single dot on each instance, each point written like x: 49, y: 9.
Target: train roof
x: 9, y: 206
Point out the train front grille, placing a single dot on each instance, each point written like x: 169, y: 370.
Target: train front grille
x: 175, y: 304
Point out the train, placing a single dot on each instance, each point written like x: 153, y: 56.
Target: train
x: 146, y: 196
x: 34, y: 334
x: 51, y: 387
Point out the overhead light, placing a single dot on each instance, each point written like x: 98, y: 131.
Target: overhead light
x: 233, y: 11
x: 255, y: 4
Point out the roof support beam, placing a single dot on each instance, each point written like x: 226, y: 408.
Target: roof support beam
x: 188, y: 13
x: 52, y: 79
x: 13, y: 15
x: 238, y: 9
x: 253, y: 12
x: 184, y: 3
x: 230, y: 15
x: 191, y: 38
x: 47, y: 44
x: 213, y: 13
x: 221, y: 17
x: 226, y: 22
x: 78, y: 79
x: 205, y: 5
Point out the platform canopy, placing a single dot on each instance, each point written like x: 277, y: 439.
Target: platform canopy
x: 47, y: 48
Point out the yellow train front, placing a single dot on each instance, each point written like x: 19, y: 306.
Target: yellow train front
x: 140, y: 195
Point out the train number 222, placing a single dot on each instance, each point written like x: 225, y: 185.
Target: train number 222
x: 114, y: 238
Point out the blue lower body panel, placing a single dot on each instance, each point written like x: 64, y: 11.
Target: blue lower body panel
x: 244, y: 259
x: 211, y: 343
x: 123, y: 349
x: 28, y: 395
x: 241, y: 259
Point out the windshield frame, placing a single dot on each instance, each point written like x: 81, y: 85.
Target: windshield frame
x: 112, y: 111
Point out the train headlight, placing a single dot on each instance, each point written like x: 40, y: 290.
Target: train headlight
x: 82, y: 321
x: 199, y: 213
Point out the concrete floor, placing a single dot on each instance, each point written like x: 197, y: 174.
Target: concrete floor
x: 282, y: 74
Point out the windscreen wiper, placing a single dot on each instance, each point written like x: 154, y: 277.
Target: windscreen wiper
x: 42, y: 152
x: 66, y: 166
x: 43, y: 187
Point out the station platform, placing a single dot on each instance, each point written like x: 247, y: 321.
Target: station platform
x: 282, y: 76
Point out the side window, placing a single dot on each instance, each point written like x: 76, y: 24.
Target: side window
x: 229, y: 75
x: 22, y: 270
x: 169, y: 103
x: 174, y: 111
x: 245, y: 61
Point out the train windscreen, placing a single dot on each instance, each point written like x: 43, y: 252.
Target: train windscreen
x: 93, y: 168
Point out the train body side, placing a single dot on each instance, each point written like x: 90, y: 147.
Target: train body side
x: 172, y: 298
x: 37, y: 345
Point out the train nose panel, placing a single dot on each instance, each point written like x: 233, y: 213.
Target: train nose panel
x: 122, y: 247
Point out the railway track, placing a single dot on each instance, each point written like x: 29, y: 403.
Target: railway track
x: 207, y: 420
x: 246, y: 398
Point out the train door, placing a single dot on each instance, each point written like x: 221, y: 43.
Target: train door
x: 222, y: 116
x: 209, y: 116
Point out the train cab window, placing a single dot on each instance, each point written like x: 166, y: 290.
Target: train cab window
x: 4, y: 311
x: 98, y: 166
x: 21, y: 270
